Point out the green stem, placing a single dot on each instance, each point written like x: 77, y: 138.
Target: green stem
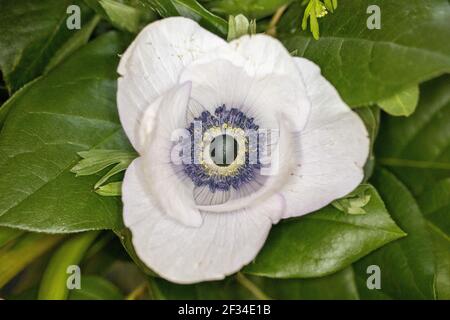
x: 24, y: 251
x: 272, y: 28
x: 250, y: 286
x: 137, y: 292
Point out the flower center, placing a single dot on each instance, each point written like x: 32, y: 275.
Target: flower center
x: 224, y: 150
x: 220, y: 150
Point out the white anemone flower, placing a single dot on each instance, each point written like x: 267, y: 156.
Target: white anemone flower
x: 204, y: 220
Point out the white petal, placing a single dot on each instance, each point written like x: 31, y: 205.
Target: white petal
x: 266, y: 56
x: 163, y: 176
x: 219, y: 82
x: 152, y: 63
x: 332, y: 149
x: 223, y: 244
x: 204, y: 196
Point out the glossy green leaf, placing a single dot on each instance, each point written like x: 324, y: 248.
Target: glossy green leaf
x: 78, y: 40
x: 34, y: 34
x: 416, y: 152
x: 127, y: 15
x: 324, y: 242
x: 254, y: 9
x: 441, y: 251
x: 407, y: 266
x: 403, y: 103
x: 71, y: 109
x: 338, y: 286
x: 366, y: 65
x: 190, y: 9
x: 435, y: 205
x: 96, y: 288
x: 417, y: 149
x: 54, y: 281
x: 6, y: 107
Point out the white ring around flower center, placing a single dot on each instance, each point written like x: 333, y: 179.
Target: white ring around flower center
x: 238, y: 135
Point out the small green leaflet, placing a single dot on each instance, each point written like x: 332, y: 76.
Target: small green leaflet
x: 239, y: 26
x: 403, y: 103
x: 113, y: 189
x: 316, y: 9
x: 95, y: 161
x: 355, y: 201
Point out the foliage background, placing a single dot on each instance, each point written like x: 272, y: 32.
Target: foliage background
x: 58, y: 98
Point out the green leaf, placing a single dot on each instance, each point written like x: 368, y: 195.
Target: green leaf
x: 417, y: 149
x: 441, y: 251
x: 127, y: 15
x: 338, y: 286
x: 95, y: 161
x: 79, y: 39
x: 34, y: 35
x: 416, y: 152
x: 5, y: 108
x: 403, y: 103
x: 96, y: 288
x: 407, y: 266
x: 324, y: 242
x: 435, y: 204
x: 71, y: 109
x: 189, y: 9
x: 254, y: 9
x: 25, y: 250
x: 54, y: 281
x: 367, y: 66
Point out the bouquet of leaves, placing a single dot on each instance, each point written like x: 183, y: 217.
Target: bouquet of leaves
x: 64, y: 151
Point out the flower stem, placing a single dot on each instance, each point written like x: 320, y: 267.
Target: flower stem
x: 137, y: 292
x: 272, y: 28
x: 250, y: 286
